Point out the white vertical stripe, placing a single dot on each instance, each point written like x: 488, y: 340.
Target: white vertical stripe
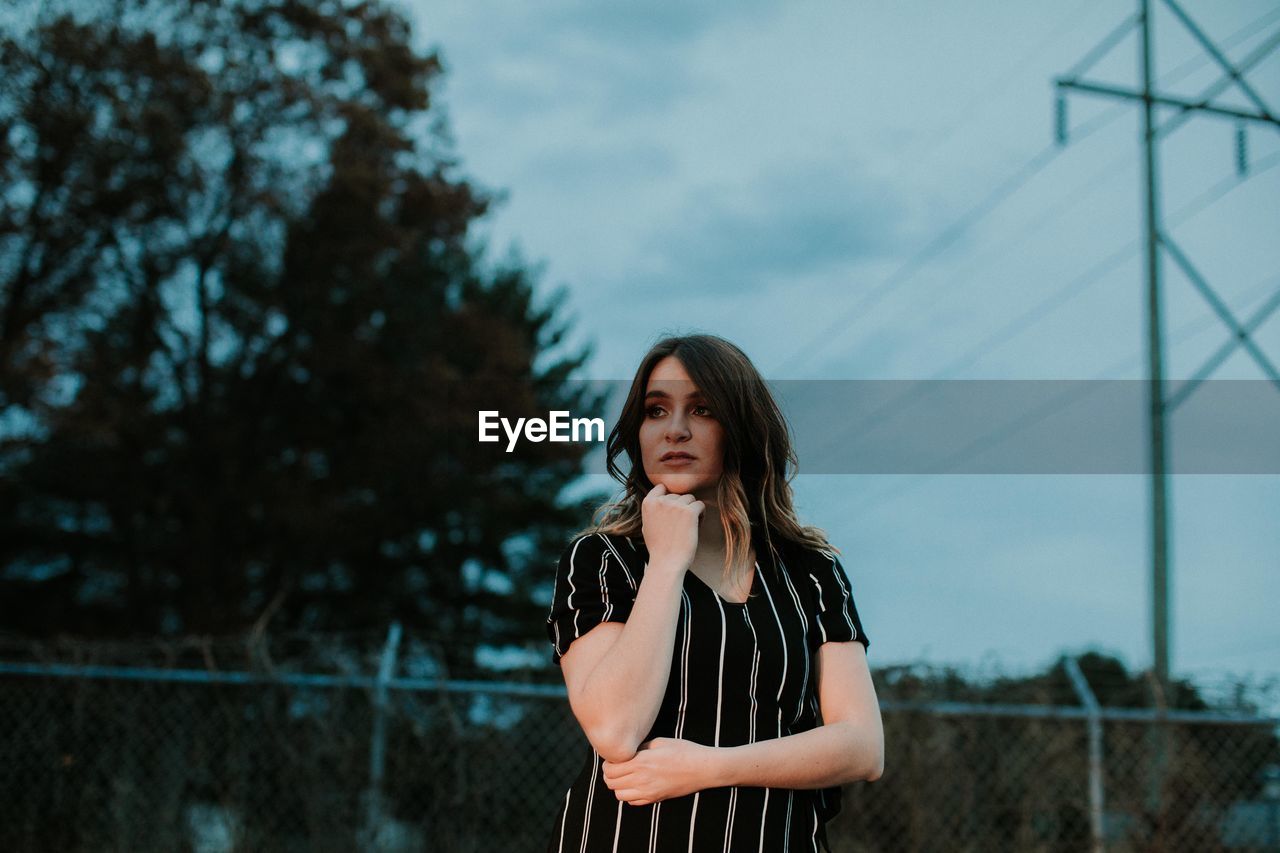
x: 755, y: 676
x: 591, y: 794
x: 609, y: 544
x: 783, y: 634
x: 848, y: 596
x: 564, y: 817
x: 617, y: 827
x: 684, y: 665
x: 814, y: 839
x: 551, y: 617
x: 786, y: 839
x: 604, y: 587
x: 728, y: 827
x: 822, y: 607
x: 568, y: 602
x: 684, y: 701
x: 764, y: 811
x: 693, y: 817
x: 804, y: 620
x: 720, y: 675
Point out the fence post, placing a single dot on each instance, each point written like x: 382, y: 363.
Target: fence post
x: 378, y: 744
x: 1090, y: 703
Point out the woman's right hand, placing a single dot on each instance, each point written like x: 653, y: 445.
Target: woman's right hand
x: 670, y: 527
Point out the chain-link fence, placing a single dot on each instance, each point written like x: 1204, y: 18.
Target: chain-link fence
x: 264, y: 758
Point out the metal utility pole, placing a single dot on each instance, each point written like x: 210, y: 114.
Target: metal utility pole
x: 375, y: 815
x: 1158, y: 404
x: 1155, y: 404
x: 1155, y: 394
x: 1097, y: 815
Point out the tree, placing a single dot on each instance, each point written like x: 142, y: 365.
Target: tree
x: 238, y: 293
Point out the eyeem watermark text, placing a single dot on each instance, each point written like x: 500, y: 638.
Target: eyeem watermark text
x: 536, y: 429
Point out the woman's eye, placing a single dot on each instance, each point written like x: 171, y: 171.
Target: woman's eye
x: 653, y: 411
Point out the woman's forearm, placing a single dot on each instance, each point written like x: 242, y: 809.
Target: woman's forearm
x: 832, y: 754
x: 622, y: 695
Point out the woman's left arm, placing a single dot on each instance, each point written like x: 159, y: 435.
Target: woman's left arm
x: 847, y: 747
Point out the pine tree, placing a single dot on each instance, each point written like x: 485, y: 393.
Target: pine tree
x: 243, y: 323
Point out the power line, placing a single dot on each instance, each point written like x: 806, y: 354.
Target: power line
x: 1006, y: 189
x: 1086, y: 189
x: 973, y: 107
x: 1049, y: 216
x: 1201, y: 324
x: 1077, y: 285
x: 1046, y: 306
x: 1104, y: 47
x: 941, y: 242
x: 1096, y: 273
x: 1023, y: 422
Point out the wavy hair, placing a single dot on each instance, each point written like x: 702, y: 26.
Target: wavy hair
x: 759, y: 459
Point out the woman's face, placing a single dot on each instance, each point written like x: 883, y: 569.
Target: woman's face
x: 681, y: 442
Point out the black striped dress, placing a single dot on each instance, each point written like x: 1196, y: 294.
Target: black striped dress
x: 740, y: 673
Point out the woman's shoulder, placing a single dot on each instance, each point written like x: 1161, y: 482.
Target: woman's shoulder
x: 596, y: 543
x: 808, y: 550
x: 608, y: 556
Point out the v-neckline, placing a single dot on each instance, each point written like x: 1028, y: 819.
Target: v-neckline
x: 756, y: 544
x: 755, y: 573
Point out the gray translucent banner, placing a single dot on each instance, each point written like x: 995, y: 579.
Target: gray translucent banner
x: 956, y: 426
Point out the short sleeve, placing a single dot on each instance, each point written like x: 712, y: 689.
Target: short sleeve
x: 593, y: 585
x: 835, y: 614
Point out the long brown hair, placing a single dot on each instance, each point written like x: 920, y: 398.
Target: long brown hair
x: 759, y: 459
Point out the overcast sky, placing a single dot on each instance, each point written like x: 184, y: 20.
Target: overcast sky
x: 821, y: 183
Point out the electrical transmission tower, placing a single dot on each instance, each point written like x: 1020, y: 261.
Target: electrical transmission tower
x: 1156, y: 239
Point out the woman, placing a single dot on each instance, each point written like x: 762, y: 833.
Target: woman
x: 709, y: 642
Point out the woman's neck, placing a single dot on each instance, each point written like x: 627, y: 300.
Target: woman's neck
x: 710, y: 532
x: 711, y: 541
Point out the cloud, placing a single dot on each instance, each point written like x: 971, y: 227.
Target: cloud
x: 605, y: 60
x: 592, y: 166
x: 801, y: 219
x: 655, y: 22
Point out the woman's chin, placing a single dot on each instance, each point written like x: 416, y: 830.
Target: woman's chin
x: 680, y: 484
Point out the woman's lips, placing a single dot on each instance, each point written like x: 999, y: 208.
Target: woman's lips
x: 679, y: 461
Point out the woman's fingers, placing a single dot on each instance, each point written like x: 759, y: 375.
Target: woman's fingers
x: 633, y: 797
x: 613, y: 774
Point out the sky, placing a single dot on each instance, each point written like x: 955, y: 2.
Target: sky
x: 873, y: 191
